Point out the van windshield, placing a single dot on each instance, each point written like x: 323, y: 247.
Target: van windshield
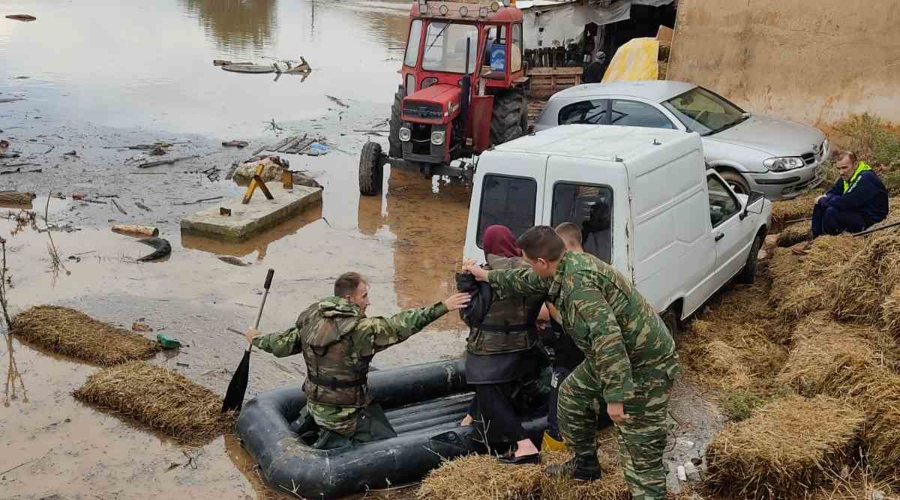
x: 705, y: 112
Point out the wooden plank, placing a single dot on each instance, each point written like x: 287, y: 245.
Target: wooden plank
x: 301, y: 146
x: 288, y: 145
x: 566, y: 70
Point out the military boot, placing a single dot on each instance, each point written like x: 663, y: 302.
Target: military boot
x: 580, y: 467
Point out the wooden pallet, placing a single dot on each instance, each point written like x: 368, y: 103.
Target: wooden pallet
x: 544, y: 82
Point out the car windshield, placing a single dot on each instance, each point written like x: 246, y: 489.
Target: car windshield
x: 704, y: 112
x: 445, y: 47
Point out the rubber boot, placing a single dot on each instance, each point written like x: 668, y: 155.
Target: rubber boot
x: 579, y: 467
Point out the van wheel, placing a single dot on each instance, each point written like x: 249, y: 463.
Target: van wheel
x: 748, y: 275
x: 672, y: 320
x: 370, y: 169
x: 736, y: 181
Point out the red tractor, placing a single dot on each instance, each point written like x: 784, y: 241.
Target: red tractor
x: 462, y: 90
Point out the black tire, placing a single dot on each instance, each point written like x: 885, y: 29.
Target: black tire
x: 396, y: 149
x: 748, y: 274
x: 509, y: 113
x: 736, y: 181
x: 672, y: 318
x: 370, y: 169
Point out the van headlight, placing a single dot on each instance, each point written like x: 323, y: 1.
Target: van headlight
x: 405, y: 134
x: 437, y: 137
x: 783, y: 164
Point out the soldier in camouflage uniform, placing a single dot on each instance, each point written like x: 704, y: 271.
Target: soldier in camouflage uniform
x: 338, y: 342
x: 630, y: 360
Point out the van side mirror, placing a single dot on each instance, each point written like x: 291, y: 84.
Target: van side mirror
x: 753, y: 198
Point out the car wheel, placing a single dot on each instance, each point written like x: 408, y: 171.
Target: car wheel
x: 748, y: 274
x: 736, y: 181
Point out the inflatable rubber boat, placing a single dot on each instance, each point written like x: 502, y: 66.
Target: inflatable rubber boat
x: 424, y: 404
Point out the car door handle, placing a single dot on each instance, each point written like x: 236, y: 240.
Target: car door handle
x: 720, y: 236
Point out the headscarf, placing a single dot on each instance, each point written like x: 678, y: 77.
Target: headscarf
x: 499, y: 240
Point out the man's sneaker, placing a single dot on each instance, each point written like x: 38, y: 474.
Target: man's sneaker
x: 583, y: 468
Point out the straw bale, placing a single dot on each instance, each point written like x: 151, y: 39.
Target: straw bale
x: 857, y: 485
x: 784, y: 212
x: 73, y: 333
x: 158, y: 398
x: 824, y: 351
x: 806, y: 283
x: 793, y: 234
x: 789, y: 446
x: 890, y: 313
x: 870, y: 276
x: 877, y: 392
x: 611, y: 486
x: 480, y: 477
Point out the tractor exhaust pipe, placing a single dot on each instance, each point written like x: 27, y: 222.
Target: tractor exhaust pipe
x: 465, y: 90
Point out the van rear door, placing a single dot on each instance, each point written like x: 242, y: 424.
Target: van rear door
x: 507, y: 190
x: 593, y: 194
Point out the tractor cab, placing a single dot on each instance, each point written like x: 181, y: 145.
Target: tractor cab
x: 461, y: 88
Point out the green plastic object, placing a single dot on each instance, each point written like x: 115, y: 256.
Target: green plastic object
x: 167, y: 342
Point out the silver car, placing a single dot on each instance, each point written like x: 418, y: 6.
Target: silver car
x: 752, y: 152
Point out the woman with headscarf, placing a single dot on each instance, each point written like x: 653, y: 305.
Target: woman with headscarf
x: 502, y: 354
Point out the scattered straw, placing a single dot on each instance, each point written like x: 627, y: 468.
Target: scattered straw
x: 76, y: 334
x: 793, y: 234
x: 790, y: 445
x: 611, y: 486
x: 785, y: 212
x: 890, y: 313
x: 161, y: 399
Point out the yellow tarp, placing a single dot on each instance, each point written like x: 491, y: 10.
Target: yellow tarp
x: 636, y: 60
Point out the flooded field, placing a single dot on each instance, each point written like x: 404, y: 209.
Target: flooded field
x: 92, y: 77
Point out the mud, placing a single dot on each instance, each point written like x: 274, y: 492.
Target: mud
x: 93, y: 90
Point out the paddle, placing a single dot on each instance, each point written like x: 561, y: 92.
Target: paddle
x: 234, y: 396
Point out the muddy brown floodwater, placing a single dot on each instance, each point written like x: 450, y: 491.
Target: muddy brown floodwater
x: 93, y: 77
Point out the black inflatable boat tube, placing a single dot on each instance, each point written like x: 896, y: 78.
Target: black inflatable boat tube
x: 424, y: 404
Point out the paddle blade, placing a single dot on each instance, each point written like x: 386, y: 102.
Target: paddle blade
x: 234, y: 396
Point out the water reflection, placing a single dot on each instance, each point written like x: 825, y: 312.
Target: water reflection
x: 430, y: 229
x: 236, y: 24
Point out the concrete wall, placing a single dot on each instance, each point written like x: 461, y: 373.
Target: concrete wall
x: 812, y: 61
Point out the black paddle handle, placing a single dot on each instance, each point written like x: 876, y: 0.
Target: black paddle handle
x: 269, y: 277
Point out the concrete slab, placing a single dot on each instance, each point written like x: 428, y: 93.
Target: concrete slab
x: 254, y: 217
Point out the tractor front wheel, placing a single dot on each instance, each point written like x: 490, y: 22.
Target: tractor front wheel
x: 396, y: 149
x: 371, y: 169
x: 510, y: 111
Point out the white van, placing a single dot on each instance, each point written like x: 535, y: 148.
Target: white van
x: 643, y: 197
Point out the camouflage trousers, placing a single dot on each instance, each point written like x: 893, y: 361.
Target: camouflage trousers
x: 642, y: 438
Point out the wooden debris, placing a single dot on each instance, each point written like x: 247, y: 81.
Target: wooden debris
x: 119, y: 207
x: 337, y: 101
x: 172, y: 161
x: 22, y: 17
x: 133, y: 230
x: 202, y: 200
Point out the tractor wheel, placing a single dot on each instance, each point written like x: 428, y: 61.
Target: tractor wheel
x: 370, y: 169
x: 510, y: 111
x: 396, y: 149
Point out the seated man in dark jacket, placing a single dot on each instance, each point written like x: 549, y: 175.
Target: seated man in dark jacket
x: 856, y: 201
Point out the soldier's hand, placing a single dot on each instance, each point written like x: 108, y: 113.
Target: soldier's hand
x: 616, y: 412
x: 457, y: 301
x: 251, y: 333
x: 479, y: 273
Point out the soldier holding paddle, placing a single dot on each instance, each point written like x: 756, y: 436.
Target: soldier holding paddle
x: 338, y: 342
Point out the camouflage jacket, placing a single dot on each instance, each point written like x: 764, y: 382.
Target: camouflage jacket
x: 509, y: 325
x: 622, y: 337
x: 338, y: 342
